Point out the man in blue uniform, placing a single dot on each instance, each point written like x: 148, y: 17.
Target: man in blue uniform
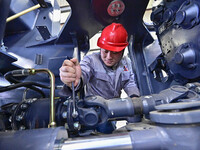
x: 104, y: 73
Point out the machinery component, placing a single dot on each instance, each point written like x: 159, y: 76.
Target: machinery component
x: 33, y: 139
x: 176, y: 23
x: 186, y: 59
x: 74, y: 113
x: 91, y: 111
x: 157, y: 14
x: 34, y: 113
x: 88, y: 117
x: 174, y: 20
x: 154, y: 138
x: 188, y: 15
x: 159, y: 67
x: 108, y: 109
x: 116, y: 8
x: 42, y: 3
x: 22, y: 13
x: 26, y: 72
x: 183, y: 112
x: 177, y: 113
x: 44, y: 32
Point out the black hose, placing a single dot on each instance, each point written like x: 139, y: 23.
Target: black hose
x: 9, y: 77
x: 23, y: 84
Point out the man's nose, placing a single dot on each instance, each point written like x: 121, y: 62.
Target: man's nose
x: 109, y: 55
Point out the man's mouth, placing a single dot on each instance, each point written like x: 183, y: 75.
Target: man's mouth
x: 109, y: 62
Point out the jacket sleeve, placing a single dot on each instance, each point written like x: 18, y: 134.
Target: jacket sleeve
x: 130, y: 86
x: 87, y: 69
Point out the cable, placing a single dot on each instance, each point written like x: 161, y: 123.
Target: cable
x: 9, y: 77
x: 23, y: 84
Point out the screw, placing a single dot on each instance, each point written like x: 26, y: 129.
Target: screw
x: 197, y: 89
x: 65, y: 103
x: 77, y: 126
x: 64, y: 114
x: 113, y: 5
x: 22, y: 128
x: 10, y: 119
x: 19, y: 117
x: 189, y: 85
x: 13, y: 107
x: 74, y: 114
x: 24, y: 106
x: 66, y: 126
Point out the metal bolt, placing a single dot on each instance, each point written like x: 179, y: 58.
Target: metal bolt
x: 66, y: 126
x: 77, y: 126
x: 10, y: 119
x: 13, y: 107
x: 118, y: 5
x: 74, y: 114
x: 197, y: 89
x: 24, y: 106
x: 22, y: 128
x: 113, y: 5
x: 19, y: 117
x: 64, y: 114
x: 189, y: 85
x: 65, y: 103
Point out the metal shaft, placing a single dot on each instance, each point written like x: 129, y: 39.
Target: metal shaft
x: 74, y: 113
x: 22, y: 13
x: 52, y: 122
x: 108, y: 142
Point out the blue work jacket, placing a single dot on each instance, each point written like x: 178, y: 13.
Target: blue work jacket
x: 107, y: 82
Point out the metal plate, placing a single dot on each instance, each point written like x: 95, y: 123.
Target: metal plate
x: 181, y: 105
x: 181, y: 117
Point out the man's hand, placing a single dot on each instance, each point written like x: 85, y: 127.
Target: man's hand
x: 70, y: 72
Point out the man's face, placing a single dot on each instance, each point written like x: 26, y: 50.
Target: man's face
x: 111, y: 58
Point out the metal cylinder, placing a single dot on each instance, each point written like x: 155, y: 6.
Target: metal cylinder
x: 108, y: 142
x: 22, y: 13
x: 52, y: 122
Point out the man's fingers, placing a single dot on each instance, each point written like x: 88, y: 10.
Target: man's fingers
x: 67, y: 69
x: 76, y: 82
x: 70, y: 72
x: 67, y: 80
x: 67, y: 75
x: 68, y: 63
x: 75, y: 61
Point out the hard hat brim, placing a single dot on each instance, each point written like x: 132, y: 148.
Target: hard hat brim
x: 115, y: 47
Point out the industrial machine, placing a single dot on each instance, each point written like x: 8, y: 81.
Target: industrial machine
x: 33, y: 113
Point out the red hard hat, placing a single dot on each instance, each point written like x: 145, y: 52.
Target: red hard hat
x: 114, y: 38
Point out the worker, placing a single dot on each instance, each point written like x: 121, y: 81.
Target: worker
x: 104, y: 73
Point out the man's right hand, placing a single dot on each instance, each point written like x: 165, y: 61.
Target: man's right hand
x: 70, y: 71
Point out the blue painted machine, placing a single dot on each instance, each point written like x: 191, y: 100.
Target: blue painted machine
x: 33, y: 114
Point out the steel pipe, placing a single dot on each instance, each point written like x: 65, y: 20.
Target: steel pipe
x: 108, y: 142
x: 52, y: 122
x: 22, y: 13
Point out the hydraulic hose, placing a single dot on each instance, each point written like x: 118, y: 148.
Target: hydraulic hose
x: 24, y: 84
x: 9, y: 76
x: 26, y: 72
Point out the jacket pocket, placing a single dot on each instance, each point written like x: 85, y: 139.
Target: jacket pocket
x: 126, y: 75
x: 102, y: 76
